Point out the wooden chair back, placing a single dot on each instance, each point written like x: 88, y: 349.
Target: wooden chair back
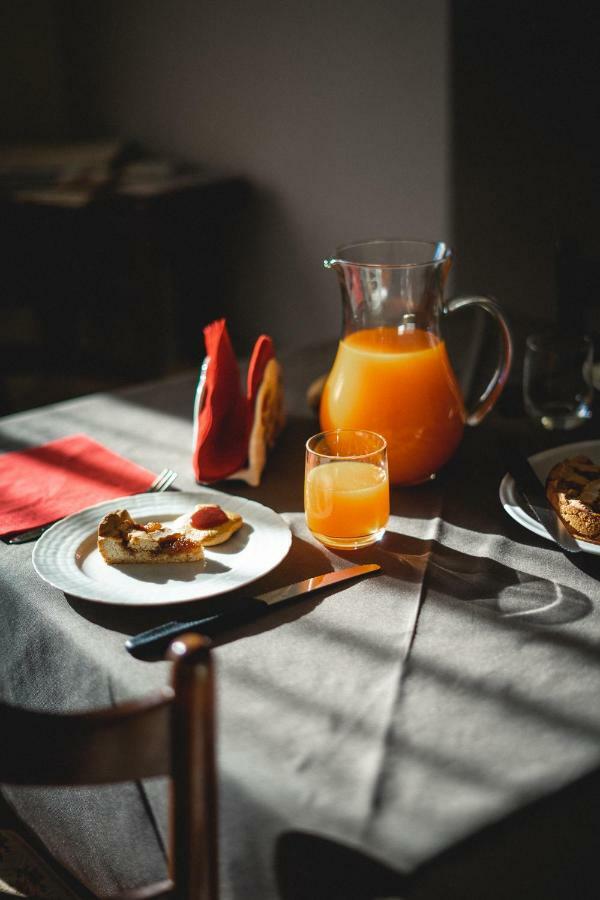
x: 171, y: 732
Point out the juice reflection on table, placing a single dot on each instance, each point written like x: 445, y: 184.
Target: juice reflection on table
x: 346, y: 488
x: 400, y: 384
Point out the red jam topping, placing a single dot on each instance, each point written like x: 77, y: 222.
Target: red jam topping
x: 176, y: 543
x: 208, y: 517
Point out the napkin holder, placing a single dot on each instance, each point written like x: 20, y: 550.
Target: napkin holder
x: 233, y: 430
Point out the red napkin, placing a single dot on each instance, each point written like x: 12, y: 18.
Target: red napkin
x: 41, y: 484
x: 221, y: 444
x: 225, y: 416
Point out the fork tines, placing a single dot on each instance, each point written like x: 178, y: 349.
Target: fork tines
x: 163, y: 481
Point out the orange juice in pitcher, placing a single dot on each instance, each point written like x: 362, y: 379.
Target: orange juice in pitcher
x: 402, y: 385
x: 392, y: 374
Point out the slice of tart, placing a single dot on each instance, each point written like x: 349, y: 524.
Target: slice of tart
x: 123, y: 540
x: 573, y: 488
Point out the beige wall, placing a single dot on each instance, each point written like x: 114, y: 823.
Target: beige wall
x: 336, y: 111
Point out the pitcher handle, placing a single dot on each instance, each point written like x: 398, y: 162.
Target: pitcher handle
x: 493, y: 390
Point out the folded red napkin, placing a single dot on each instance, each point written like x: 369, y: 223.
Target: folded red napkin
x: 234, y: 430
x: 41, y: 484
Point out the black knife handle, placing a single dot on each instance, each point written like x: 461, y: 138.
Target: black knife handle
x: 150, y: 642
x: 32, y: 534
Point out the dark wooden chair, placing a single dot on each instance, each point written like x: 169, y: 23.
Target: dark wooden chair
x: 170, y: 732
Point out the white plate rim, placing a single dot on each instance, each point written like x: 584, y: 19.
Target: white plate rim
x: 542, y: 462
x: 55, y: 555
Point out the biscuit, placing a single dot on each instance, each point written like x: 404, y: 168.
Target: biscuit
x: 214, y: 532
x: 573, y: 489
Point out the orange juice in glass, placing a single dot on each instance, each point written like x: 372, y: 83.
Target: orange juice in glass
x: 346, y: 488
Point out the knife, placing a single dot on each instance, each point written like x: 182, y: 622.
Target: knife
x: 533, y: 493
x: 32, y: 534
x: 246, y: 609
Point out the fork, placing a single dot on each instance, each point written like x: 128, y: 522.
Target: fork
x: 162, y: 481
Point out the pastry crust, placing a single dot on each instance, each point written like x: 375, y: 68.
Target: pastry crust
x: 122, y: 540
x: 573, y: 488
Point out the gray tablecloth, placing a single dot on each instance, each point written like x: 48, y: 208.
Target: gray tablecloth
x: 409, y: 716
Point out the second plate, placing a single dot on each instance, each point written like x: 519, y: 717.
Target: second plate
x: 542, y: 463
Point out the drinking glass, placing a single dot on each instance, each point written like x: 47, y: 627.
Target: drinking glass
x: 346, y: 488
x: 557, y: 379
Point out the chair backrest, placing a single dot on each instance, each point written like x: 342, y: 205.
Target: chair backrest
x: 171, y: 732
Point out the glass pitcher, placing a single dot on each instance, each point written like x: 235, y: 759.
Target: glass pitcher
x: 392, y: 373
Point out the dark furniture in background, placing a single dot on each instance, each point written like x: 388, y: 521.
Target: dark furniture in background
x: 115, y: 290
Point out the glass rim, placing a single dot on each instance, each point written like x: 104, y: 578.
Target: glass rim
x: 435, y: 259
x: 355, y: 431
x: 542, y: 340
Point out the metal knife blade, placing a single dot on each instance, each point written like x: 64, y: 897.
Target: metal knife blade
x: 533, y: 493
x: 245, y: 610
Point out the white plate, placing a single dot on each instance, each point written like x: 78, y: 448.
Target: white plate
x: 542, y: 463
x: 67, y: 556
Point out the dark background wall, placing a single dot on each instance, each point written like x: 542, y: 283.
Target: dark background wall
x: 526, y: 152
x: 469, y: 121
x: 33, y: 77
